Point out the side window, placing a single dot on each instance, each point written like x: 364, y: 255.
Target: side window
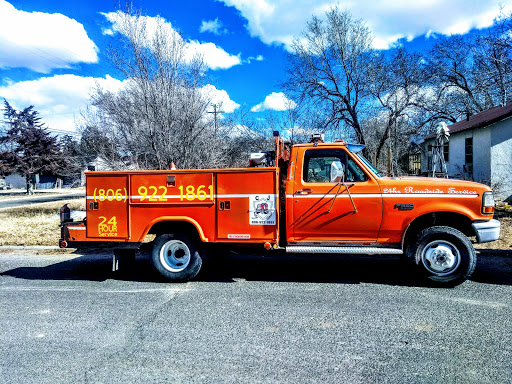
x: 317, y: 166
x: 354, y: 172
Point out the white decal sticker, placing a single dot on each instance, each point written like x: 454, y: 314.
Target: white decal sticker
x: 238, y: 236
x: 262, y: 209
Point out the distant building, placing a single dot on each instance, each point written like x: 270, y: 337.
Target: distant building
x: 480, y: 149
x: 16, y: 180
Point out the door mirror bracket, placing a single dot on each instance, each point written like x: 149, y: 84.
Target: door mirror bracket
x: 337, y: 175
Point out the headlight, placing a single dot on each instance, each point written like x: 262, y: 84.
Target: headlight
x: 488, y: 199
x: 488, y: 202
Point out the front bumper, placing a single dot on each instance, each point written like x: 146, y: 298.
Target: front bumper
x: 487, y: 230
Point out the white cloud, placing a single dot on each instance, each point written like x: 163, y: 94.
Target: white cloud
x: 58, y: 99
x: 215, y: 57
x: 214, y: 26
x: 42, y: 41
x: 276, y: 101
x: 221, y: 98
x: 256, y: 58
x: 279, y: 22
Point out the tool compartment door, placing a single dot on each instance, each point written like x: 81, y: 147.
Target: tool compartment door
x: 247, y: 206
x: 107, y: 206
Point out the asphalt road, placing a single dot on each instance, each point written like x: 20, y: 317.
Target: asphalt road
x: 69, y: 319
x: 28, y: 200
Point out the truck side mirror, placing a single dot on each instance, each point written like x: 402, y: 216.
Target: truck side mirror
x: 337, y: 172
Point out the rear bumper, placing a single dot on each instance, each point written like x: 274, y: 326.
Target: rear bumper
x: 487, y: 230
x: 99, y: 244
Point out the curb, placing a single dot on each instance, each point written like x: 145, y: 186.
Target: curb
x: 17, y: 199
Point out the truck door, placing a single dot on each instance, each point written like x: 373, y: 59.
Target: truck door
x: 324, y: 210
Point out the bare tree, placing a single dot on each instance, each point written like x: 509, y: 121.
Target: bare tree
x: 242, y: 135
x: 161, y: 114
x: 493, y: 59
x: 397, y: 85
x: 329, y: 69
x: 471, y: 73
x: 458, y: 86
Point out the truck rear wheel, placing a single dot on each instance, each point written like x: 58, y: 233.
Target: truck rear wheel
x: 444, y: 255
x: 175, y: 257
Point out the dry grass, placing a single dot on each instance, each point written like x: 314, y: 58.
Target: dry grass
x: 36, y: 224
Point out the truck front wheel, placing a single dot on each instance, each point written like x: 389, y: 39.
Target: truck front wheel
x: 444, y: 255
x: 175, y: 257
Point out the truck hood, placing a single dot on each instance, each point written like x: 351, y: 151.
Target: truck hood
x: 411, y: 184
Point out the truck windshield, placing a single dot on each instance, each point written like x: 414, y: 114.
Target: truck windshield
x: 369, y: 165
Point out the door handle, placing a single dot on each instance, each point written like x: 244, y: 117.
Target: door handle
x: 304, y: 192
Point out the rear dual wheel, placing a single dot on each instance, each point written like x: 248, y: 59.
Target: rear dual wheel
x: 443, y: 255
x: 176, y: 257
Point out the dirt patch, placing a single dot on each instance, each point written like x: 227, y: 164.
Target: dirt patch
x: 505, y: 241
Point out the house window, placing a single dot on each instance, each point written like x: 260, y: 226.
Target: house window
x: 469, y: 155
x: 446, y: 151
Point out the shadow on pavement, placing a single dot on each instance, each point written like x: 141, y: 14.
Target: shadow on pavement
x: 494, y: 267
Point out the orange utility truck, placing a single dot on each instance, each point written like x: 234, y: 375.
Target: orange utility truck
x: 309, y: 198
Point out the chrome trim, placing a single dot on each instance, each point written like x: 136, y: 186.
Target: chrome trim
x: 487, y: 230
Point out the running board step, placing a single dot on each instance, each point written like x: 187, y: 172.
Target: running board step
x: 349, y: 250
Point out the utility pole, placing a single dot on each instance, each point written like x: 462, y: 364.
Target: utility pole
x: 215, y: 113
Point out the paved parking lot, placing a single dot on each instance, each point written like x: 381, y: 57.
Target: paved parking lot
x: 67, y: 318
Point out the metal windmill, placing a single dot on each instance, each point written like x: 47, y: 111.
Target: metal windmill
x: 442, y: 137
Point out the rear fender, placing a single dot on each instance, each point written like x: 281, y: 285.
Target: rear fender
x: 176, y: 220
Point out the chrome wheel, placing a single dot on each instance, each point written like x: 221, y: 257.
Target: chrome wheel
x: 175, y: 255
x: 440, y: 257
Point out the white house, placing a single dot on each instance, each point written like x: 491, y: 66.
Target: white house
x: 479, y: 149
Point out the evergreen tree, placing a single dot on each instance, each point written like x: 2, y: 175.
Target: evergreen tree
x: 73, y: 158
x: 30, y: 149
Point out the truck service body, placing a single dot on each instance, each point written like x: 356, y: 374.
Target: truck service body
x: 318, y: 198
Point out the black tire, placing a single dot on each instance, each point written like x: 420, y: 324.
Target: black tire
x: 176, y: 257
x: 443, y: 255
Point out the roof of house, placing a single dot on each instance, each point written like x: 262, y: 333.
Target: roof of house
x: 480, y: 120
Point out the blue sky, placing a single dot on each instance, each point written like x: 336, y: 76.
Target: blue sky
x: 53, y: 52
